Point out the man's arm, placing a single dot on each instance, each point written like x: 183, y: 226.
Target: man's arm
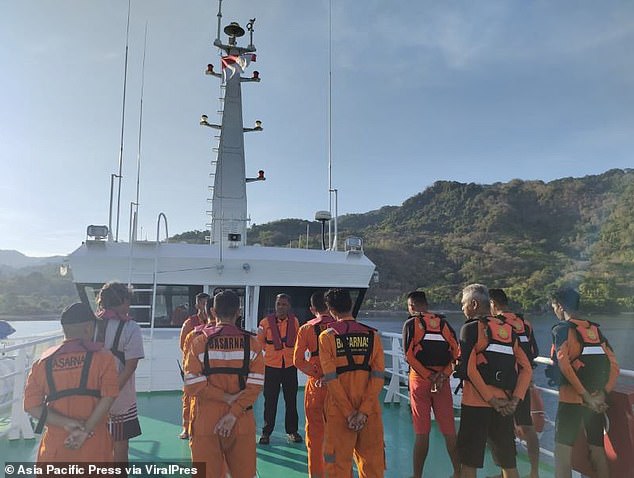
x: 377, y: 376
x: 301, y: 345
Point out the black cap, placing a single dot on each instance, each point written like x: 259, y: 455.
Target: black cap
x: 77, y: 313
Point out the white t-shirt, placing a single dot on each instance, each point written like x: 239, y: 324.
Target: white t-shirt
x: 131, y: 344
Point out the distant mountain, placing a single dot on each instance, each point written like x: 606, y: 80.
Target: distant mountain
x: 17, y: 260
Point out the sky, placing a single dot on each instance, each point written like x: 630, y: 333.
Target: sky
x: 421, y: 91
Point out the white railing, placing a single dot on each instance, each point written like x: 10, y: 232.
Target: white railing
x: 16, y: 358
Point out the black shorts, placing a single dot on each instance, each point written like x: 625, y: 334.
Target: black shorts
x: 523, y: 411
x: 125, y: 426
x: 571, y: 418
x: 477, y: 424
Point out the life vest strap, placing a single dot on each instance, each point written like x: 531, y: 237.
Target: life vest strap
x: 241, y: 372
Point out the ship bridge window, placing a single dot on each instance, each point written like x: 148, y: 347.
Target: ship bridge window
x: 300, y: 300
x: 173, y: 304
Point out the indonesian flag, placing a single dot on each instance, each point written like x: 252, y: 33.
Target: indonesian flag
x: 232, y: 64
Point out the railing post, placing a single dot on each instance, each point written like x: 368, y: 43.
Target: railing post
x: 20, y: 423
x: 393, y: 388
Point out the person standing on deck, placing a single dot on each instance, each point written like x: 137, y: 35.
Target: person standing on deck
x: 70, y: 390
x: 193, y: 321
x: 277, y: 333
x: 314, y: 392
x: 431, y: 349
x: 524, y: 330
x: 122, y: 336
x: 352, y: 361
x: 224, y: 372
x: 496, y: 374
x: 589, y: 370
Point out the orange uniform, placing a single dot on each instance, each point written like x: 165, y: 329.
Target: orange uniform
x: 273, y: 356
x: 314, y: 392
x: 222, y: 361
x: 189, y: 325
x: 477, y: 392
x: 352, y: 361
x: 65, y: 365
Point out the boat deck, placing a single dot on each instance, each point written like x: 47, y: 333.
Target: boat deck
x: 160, y: 414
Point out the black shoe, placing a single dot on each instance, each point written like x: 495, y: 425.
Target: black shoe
x: 294, y: 437
x: 265, y: 439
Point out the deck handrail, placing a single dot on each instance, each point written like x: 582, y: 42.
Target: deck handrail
x: 22, y: 360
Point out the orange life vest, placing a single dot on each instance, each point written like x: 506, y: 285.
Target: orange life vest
x: 431, y: 348
x: 319, y: 325
x: 291, y: 333
x: 522, y: 330
x: 353, y: 339
x: 497, y: 363
x: 592, y: 366
x: 220, y: 339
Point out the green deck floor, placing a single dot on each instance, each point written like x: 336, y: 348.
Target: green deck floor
x: 160, y: 420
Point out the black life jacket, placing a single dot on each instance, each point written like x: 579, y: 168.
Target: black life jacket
x: 431, y: 348
x: 213, y: 331
x: 319, y: 325
x: 353, y: 338
x: 496, y: 363
x: 102, y: 325
x: 82, y: 389
x: 592, y: 365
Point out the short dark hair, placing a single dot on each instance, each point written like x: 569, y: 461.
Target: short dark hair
x: 202, y: 295
x: 226, y: 304
x: 113, y: 294
x: 318, y: 302
x: 567, y: 297
x: 338, y: 300
x: 418, y: 297
x: 498, y: 296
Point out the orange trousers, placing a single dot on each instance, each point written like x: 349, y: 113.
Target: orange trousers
x: 187, y: 406
x: 235, y: 453
x: 314, y: 398
x: 367, y: 447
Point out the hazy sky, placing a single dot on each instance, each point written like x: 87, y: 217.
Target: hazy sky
x: 422, y: 90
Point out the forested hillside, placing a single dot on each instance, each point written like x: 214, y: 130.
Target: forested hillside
x: 525, y: 236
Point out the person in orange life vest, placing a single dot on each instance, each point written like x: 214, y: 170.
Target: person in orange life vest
x: 224, y: 371
x: 352, y: 361
x: 589, y: 371
x: 193, y: 321
x: 496, y: 375
x: 314, y: 393
x: 523, y: 329
x: 122, y: 336
x: 70, y: 390
x: 431, y: 349
x: 277, y: 333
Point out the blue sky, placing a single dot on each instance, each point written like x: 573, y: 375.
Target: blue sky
x: 422, y: 91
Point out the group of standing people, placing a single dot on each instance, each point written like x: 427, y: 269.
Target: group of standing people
x: 493, y: 358
x: 225, y: 368
x: 83, y: 391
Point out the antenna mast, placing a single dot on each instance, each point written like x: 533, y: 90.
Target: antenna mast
x: 119, y: 176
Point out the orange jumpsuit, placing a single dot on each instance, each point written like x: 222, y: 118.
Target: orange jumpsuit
x: 67, y: 368
x: 350, y: 391
x: 225, y: 349
x: 314, y: 392
x: 192, y: 322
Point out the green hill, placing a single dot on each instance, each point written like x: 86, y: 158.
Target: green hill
x: 525, y: 236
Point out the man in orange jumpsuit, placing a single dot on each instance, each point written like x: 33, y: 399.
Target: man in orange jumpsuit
x: 352, y: 361
x: 589, y: 370
x: 496, y: 375
x: 70, y: 389
x: 431, y: 350
x: 224, y: 371
x: 314, y: 392
x: 277, y: 333
x: 193, y: 321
